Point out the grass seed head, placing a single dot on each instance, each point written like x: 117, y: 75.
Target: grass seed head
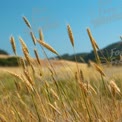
x: 13, y: 44
x: 70, y: 35
x: 94, y: 45
x: 37, y: 56
x: 98, y: 68
x: 90, y: 88
x: 54, y: 94
x: 23, y: 64
x: 24, y: 46
x: 26, y: 22
x: 54, y: 108
x: 41, y: 36
x: 28, y: 84
x: 47, y: 47
x: 81, y: 75
x: 27, y: 75
x: 18, y: 86
x: 114, y: 87
x: 27, y: 57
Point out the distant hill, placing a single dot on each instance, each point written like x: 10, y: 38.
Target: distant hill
x: 110, y: 52
x: 7, y: 60
x: 3, y: 52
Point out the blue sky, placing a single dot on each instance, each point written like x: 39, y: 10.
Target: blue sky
x: 103, y: 17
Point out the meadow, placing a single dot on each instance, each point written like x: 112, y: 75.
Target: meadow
x: 57, y: 90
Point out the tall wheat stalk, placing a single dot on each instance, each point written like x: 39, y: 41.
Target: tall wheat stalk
x: 13, y: 44
x: 94, y: 45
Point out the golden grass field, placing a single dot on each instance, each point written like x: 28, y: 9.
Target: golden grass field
x: 16, y: 99
x: 58, y: 90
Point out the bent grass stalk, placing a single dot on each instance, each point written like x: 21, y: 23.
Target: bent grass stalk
x: 47, y: 46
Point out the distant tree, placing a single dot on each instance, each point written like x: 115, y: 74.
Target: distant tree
x: 3, y: 52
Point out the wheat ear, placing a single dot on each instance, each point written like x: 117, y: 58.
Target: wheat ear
x: 13, y: 44
x: 47, y: 46
x: 41, y: 36
x: 26, y: 22
x: 70, y: 35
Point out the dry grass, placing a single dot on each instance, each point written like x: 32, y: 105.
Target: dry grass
x: 66, y: 76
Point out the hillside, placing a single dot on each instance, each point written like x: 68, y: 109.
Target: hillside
x: 7, y: 60
x: 3, y: 52
x: 110, y: 52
